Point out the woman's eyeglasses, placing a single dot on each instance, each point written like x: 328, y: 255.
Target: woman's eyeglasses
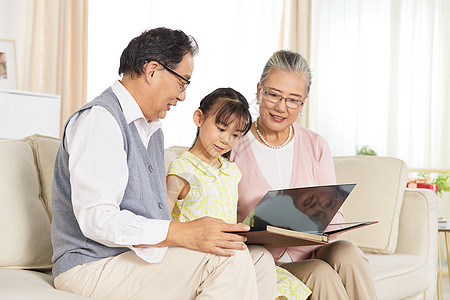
x: 275, y: 98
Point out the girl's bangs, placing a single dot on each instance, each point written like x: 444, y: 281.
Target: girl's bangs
x: 233, y: 112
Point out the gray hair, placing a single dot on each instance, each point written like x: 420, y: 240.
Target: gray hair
x: 287, y: 61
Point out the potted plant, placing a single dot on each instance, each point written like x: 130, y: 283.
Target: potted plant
x: 366, y: 150
x: 441, y: 181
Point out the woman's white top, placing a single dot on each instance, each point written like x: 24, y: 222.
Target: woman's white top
x: 275, y: 164
x: 276, y: 167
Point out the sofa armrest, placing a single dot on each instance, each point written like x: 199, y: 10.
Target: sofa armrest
x: 418, y: 224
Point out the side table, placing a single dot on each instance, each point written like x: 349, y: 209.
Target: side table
x: 445, y: 230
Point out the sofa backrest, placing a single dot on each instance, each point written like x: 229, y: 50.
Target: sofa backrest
x: 172, y: 153
x: 44, y: 150
x: 378, y: 196
x: 25, y: 187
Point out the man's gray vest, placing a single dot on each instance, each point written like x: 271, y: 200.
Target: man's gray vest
x: 145, y: 193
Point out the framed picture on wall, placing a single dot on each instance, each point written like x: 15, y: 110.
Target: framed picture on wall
x: 8, y: 74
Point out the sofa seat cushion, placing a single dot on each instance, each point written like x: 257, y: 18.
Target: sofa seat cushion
x: 397, y: 276
x: 25, y: 284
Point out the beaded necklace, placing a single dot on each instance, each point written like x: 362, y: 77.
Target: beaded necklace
x: 269, y: 145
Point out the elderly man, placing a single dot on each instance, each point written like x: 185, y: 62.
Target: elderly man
x: 112, y: 232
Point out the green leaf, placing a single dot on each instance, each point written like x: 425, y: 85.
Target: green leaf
x: 442, y: 182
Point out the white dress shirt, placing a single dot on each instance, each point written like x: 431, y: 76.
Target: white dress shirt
x: 99, y: 175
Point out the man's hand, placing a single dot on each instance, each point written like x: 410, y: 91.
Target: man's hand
x: 207, y: 234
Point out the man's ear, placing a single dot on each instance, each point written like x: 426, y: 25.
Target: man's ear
x: 198, y: 117
x: 149, y: 70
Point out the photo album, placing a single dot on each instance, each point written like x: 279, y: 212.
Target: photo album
x: 299, y: 216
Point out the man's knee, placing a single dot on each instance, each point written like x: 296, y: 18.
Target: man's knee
x: 240, y: 259
x: 261, y: 257
x: 265, y: 271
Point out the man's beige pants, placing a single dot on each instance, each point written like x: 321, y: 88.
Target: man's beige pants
x: 182, y: 274
x: 338, y: 271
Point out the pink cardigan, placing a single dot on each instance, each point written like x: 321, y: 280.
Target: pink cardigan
x: 313, y: 165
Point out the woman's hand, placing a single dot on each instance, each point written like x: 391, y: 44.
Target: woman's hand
x: 207, y: 234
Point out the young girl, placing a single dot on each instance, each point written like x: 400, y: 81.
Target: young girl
x: 202, y: 182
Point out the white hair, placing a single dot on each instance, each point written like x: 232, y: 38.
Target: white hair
x: 287, y: 61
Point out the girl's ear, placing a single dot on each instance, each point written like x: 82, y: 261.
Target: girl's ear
x: 198, y: 117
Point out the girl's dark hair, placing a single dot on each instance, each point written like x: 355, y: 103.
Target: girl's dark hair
x: 228, y: 105
x: 161, y: 44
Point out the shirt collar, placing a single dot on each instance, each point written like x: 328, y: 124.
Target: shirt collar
x: 130, y: 108
x: 225, y: 167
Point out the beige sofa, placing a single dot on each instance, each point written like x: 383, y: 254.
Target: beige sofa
x: 401, y: 249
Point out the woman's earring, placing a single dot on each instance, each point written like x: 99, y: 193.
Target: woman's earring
x: 301, y: 113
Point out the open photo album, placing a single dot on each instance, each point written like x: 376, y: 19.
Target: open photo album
x: 299, y: 216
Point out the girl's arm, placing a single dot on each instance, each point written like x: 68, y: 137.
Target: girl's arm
x: 177, y: 189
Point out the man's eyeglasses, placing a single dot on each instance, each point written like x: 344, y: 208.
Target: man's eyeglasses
x: 275, y: 98
x: 184, y: 85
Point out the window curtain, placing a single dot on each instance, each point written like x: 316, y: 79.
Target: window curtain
x: 381, y: 74
x: 58, y: 52
x: 295, y: 35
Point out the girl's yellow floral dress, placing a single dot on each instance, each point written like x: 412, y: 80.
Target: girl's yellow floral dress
x: 214, y: 193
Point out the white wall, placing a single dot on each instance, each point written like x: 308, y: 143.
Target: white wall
x: 15, y: 22
x: 235, y: 40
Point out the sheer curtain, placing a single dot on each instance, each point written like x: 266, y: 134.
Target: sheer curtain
x: 381, y: 77
x: 295, y: 35
x: 58, y: 52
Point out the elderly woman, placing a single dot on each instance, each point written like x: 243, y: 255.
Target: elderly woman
x: 277, y: 153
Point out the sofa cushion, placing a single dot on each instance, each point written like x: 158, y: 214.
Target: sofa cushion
x: 378, y: 196
x: 25, y: 285
x: 398, y: 276
x: 45, y: 149
x: 24, y: 223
